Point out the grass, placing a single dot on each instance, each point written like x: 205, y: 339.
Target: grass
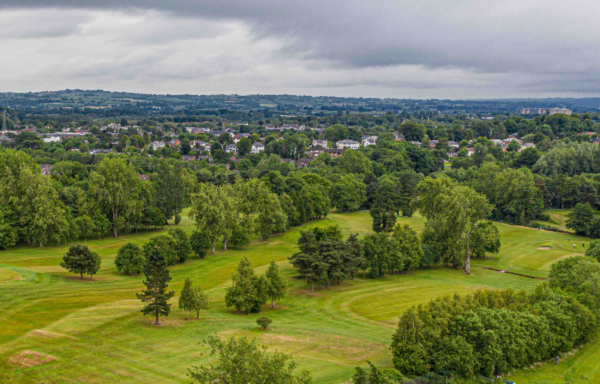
x: 94, y: 332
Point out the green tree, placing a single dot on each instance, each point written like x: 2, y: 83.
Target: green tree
x: 130, y: 259
x: 9, y: 234
x: 242, y: 361
x: 348, y: 193
x: 593, y: 250
x: 199, y: 243
x: 200, y: 302
x: 353, y: 162
x: 157, y: 279
x: 86, y: 226
x: 244, y: 146
x: 258, y: 200
x: 486, y: 239
x: 185, y: 146
x: 182, y: 244
x: 384, y: 208
x: 409, y: 246
x: 186, y: 297
x: 80, y: 259
x: 277, y: 285
x: 101, y: 224
x: 167, y: 246
x: 169, y: 188
x: 308, y: 261
x: 581, y: 218
x: 115, y: 185
x: 208, y: 212
x: 263, y: 322
x: 248, y: 291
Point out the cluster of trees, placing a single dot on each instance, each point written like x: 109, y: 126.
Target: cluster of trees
x: 401, y: 251
x: 494, y: 332
x: 584, y: 220
x: 324, y: 256
x: 75, y: 203
x: 249, y: 291
x: 192, y: 299
x: 456, y: 229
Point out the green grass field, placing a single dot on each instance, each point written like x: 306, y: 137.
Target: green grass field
x: 57, y: 328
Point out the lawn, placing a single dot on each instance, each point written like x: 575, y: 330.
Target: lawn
x: 59, y: 328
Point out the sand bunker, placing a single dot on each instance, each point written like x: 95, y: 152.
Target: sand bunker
x: 29, y: 359
x: 544, y: 248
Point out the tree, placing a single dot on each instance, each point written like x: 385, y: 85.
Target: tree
x: 157, y: 279
x: 593, y: 250
x: 166, y: 244
x: 244, y: 146
x: 208, y: 211
x: 80, y: 259
x: 199, y: 243
x: 486, y: 239
x: 308, y: 261
x: 248, y: 291
x: 376, y: 376
x: 186, y: 298
x: 277, y: 284
x: 101, y: 224
x: 263, y: 322
x: 258, y: 200
x: 185, y: 146
x: 130, y: 259
x: 409, y: 246
x: 169, y: 188
x: 353, y: 162
x: 348, y: 193
x: 353, y: 256
x: 9, y: 234
x: 182, y: 244
x: 200, y: 301
x: 455, y: 209
x: 86, y: 226
x: 242, y: 361
x: 384, y: 208
x: 115, y: 186
x: 580, y: 218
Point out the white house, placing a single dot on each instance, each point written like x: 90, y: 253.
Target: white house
x: 230, y: 148
x: 342, y: 144
x: 51, y: 139
x: 257, y: 147
x: 320, y: 143
x: 157, y: 145
x: 371, y: 140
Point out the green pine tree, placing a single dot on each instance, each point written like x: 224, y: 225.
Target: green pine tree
x: 157, y: 278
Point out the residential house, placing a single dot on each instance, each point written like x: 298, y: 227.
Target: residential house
x: 316, y: 151
x: 145, y: 177
x: 188, y: 158
x: 239, y: 136
x: 157, y: 145
x: 303, y: 162
x: 342, y: 144
x: 230, y: 148
x: 320, y: 143
x: 174, y: 143
x: 257, y: 147
x: 371, y: 140
x: 207, y: 158
x: 433, y: 143
x: 335, y: 152
x: 417, y: 143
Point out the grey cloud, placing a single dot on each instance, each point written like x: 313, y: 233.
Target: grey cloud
x: 538, y: 44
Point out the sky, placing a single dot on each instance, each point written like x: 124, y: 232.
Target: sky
x: 441, y: 49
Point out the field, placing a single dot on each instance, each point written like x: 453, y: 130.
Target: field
x: 57, y: 328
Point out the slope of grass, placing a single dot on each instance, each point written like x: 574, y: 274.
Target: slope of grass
x: 96, y: 333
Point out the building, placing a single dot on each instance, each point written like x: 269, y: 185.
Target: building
x: 319, y: 143
x: 371, y: 140
x: 257, y: 147
x: 157, y: 145
x: 230, y: 148
x: 46, y: 168
x: 188, y: 158
x: 564, y: 111
x: 342, y: 144
x: 145, y: 177
x: 51, y: 139
x: 174, y: 143
x: 335, y: 152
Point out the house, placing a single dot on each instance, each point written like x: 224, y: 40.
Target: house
x: 303, y: 162
x: 342, y: 144
x: 174, y: 143
x: 314, y: 152
x: 230, y: 148
x: 46, y: 169
x: 398, y: 137
x: 257, y: 147
x: 157, y: 145
x: 320, y: 143
x: 207, y: 158
x: 526, y: 145
x: 596, y: 141
x: 188, y: 158
x: 281, y: 161
x: 239, y: 136
x: 453, y: 144
x: 470, y: 151
x: 51, y: 139
x: 144, y: 177
x: 197, y: 144
x: 372, y: 140
x: 335, y: 152
x: 417, y: 143
x: 433, y: 143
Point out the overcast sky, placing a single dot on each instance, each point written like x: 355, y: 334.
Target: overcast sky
x: 376, y: 48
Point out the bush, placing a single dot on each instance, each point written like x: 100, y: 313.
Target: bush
x: 263, y: 322
x: 177, y: 219
x: 199, y: 243
x: 129, y: 259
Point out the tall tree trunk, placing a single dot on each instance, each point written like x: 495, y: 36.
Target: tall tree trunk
x: 187, y: 314
x: 213, y: 245
x: 82, y: 276
x: 327, y: 284
x: 197, y: 314
x: 156, y: 322
x: 225, y: 245
x: 273, y: 303
x: 468, y: 258
x: 312, y: 287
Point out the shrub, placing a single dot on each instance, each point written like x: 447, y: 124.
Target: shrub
x: 263, y: 322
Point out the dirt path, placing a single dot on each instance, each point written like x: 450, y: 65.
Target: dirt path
x: 511, y: 273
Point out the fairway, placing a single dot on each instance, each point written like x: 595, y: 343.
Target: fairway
x: 59, y: 328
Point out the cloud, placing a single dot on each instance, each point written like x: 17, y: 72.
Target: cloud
x: 458, y: 48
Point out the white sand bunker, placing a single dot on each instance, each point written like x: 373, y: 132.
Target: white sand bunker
x: 544, y: 248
